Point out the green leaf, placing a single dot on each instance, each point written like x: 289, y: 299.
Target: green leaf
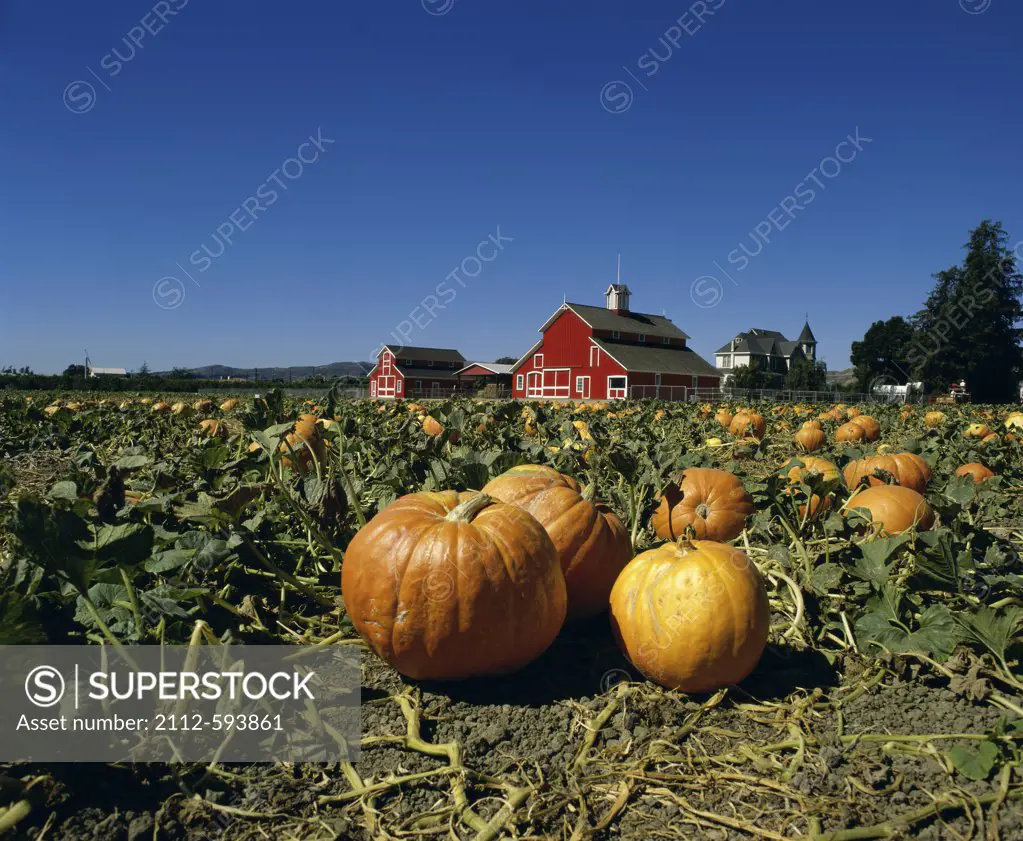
x: 826, y: 577
x: 975, y: 764
x: 125, y: 544
x: 132, y: 462
x: 166, y: 561
x: 64, y: 490
x: 872, y: 565
x: 991, y: 628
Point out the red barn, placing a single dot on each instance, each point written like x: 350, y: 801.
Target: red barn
x: 415, y: 372
x: 611, y: 353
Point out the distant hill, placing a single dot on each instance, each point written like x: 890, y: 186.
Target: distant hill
x: 295, y: 372
x: 843, y: 377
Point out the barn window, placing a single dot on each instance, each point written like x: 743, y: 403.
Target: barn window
x: 616, y: 382
x: 594, y: 356
x: 667, y: 340
x: 615, y: 334
x: 642, y: 337
x: 397, y: 387
x: 419, y: 385
x: 538, y: 360
x: 519, y: 382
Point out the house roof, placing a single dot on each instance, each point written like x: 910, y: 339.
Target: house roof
x: 764, y: 343
x: 600, y: 318
x: 426, y: 354
x: 807, y: 334
x: 658, y: 360
x: 618, y: 287
x: 493, y: 367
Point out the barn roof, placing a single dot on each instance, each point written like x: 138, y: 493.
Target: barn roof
x: 410, y: 373
x: 658, y: 360
x: 493, y: 367
x: 117, y: 372
x: 600, y: 318
x: 426, y: 354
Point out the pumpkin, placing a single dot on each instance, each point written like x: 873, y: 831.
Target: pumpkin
x: 977, y: 430
x: 305, y: 440
x: 1014, y: 421
x: 160, y: 408
x: 212, y: 428
x: 993, y: 438
x: 812, y: 424
x: 692, y: 616
x: 896, y: 508
x: 804, y: 468
x: 593, y: 544
x: 908, y: 470
x: 432, y: 426
x: 809, y: 439
x: 724, y: 417
x: 748, y: 424
x: 933, y: 419
x: 202, y: 407
x: 850, y: 433
x: 870, y: 426
x: 447, y: 585
x: 713, y: 502
x: 181, y: 409
x: 229, y: 405
x: 714, y: 442
x: 977, y: 471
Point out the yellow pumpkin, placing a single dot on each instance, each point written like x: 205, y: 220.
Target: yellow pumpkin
x: 692, y: 616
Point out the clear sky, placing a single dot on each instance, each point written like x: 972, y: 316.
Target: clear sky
x: 669, y: 131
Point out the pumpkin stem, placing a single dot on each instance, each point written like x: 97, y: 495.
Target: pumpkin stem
x: 465, y: 512
x: 590, y: 492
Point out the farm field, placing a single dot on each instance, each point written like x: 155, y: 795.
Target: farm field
x: 888, y: 702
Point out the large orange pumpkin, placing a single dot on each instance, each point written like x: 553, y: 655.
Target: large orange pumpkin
x: 229, y: 405
x: 908, y: 470
x: 748, y: 424
x: 447, y: 585
x: 692, y: 616
x: 870, y: 426
x: 593, y: 544
x: 977, y: 471
x: 723, y: 417
x: 810, y: 438
x: 850, y: 433
x: 896, y: 508
x: 808, y: 467
x: 713, y: 502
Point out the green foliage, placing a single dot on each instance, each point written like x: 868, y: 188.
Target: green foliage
x: 748, y: 377
x: 882, y: 354
x: 804, y: 375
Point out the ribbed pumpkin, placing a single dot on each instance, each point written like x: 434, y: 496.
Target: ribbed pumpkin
x: 809, y: 439
x: 977, y: 430
x: 748, y: 424
x: 870, y: 426
x: 933, y: 419
x: 896, y: 508
x: 713, y: 502
x: 850, y: 433
x: 908, y: 470
x: 447, y: 585
x: 692, y: 616
x: 977, y: 471
x: 723, y: 417
x: 593, y: 544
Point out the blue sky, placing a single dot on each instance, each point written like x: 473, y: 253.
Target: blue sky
x: 442, y: 123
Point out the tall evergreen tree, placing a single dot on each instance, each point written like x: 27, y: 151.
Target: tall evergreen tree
x: 969, y: 326
x: 882, y: 353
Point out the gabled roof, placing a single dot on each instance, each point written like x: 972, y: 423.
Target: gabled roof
x: 807, y: 334
x: 618, y: 287
x: 527, y: 354
x: 759, y: 342
x: 657, y: 360
x: 493, y: 367
x: 600, y: 318
x: 425, y: 354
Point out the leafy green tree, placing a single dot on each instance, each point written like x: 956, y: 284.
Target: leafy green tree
x: 805, y: 375
x: 181, y: 374
x: 748, y: 376
x: 74, y: 371
x: 505, y: 360
x: 968, y: 328
x: 144, y: 370
x: 883, y: 352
